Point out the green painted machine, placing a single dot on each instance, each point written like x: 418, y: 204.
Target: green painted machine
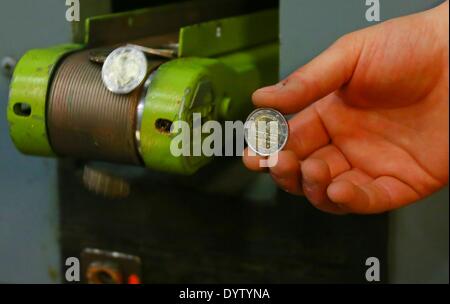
x: 59, y: 107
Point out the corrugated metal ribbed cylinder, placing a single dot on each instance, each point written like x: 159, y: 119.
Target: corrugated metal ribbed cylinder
x: 87, y: 121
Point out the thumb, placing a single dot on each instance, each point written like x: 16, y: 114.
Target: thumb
x: 323, y: 75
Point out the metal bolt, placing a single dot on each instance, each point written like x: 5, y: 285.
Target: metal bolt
x: 218, y: 31
x: 8, y: 64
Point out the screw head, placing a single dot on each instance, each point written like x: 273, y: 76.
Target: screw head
x: 8, y: 64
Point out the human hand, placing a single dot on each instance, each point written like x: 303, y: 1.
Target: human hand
x: 372, y: 131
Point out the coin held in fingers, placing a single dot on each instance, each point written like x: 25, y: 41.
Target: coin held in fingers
x: 266, y: 131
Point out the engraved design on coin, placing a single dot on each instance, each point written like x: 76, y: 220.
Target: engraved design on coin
x: 124, y: 70
x: 266, y: 131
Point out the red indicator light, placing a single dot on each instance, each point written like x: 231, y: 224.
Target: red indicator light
x: 134, y: 279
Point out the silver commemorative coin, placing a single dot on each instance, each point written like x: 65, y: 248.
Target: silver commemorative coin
x: 124, y: 69
x: 266, y: 131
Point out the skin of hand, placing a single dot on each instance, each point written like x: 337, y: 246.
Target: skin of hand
x: 371, y: 129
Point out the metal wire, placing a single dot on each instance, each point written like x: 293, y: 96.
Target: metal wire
x: 85, y: 120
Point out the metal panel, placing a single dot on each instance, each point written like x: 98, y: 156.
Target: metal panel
x: 228, y: 34
x: 29, y: 250
x: 126, y: 26
x: 418, y: 243
x: 309, y: 26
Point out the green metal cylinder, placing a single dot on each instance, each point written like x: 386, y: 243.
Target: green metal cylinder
x: 219, y: 88
x: 28, y: 95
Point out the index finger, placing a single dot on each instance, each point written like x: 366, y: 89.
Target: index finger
x: 323, y: 75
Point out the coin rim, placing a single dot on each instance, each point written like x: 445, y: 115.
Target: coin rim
x: 246, y: 135
x: 108, y: 59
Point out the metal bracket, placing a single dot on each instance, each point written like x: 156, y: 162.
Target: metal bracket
x: 228, y: 35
